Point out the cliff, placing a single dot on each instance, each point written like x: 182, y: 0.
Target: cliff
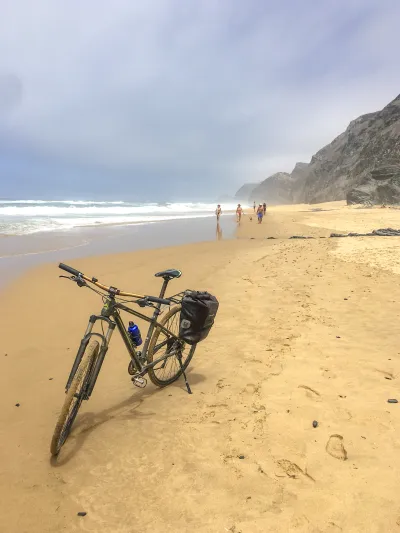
x: 362, y: 164
x: 277, y: 189
x: 244, y: 193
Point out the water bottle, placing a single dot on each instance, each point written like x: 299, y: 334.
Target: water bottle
x: 134, y: 334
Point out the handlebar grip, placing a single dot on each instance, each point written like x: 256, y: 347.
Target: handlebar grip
x: 158, y: 300
x: 69, y: 269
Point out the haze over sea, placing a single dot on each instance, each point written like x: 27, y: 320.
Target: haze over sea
x: 24, y: 217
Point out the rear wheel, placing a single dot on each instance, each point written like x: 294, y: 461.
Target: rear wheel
x: 162, y: 343
x: 74, y: 397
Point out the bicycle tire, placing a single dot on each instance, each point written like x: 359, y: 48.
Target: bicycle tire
x: 79, y: 381
x: 151, y: 356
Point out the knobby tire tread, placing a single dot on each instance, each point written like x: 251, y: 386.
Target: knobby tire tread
x: 81, y: 374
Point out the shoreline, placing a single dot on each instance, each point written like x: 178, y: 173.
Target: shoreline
x: 105, y: 226
x: 306, y: 331
x: 19, y: 253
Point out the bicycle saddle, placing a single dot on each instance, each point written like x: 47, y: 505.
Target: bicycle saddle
x: 169, y: 274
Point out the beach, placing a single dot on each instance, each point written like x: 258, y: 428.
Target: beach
x: 306, y: 335
x: 18, y: 253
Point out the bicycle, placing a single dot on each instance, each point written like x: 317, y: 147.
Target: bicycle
x: 94, y: 345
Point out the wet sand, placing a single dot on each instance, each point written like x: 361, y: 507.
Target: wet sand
x: 306, y: 331
x: 19, y: 253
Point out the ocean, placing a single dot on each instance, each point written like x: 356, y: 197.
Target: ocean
x: 34, y: 232
x: 24, y: 217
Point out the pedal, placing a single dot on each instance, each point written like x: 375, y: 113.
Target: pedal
x: 139, y: 381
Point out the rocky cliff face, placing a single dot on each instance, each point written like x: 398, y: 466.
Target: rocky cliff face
x: 277, y: 189
x: 347, y: 167
x: 244, y: 193
x: 380, y: 186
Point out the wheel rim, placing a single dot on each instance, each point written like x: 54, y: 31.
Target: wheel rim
x: 170, y: 367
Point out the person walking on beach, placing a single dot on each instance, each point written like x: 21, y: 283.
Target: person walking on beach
x: 260, y: 213
x: 218, y: 211
x: 254, y: 206
x: 264, y: 207
x: 239, y: 212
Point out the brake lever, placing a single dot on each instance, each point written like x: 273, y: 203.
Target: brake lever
x: 78, y: 280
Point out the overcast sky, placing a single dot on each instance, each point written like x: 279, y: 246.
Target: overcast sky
x: 182, y: 99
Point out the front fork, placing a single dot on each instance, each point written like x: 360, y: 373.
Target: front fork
x: 105, y: 339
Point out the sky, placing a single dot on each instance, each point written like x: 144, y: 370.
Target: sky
x: 171, y: 100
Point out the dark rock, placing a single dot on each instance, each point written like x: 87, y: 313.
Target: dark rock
x: 241, y: 456
x: 337, y: 235
x: 17, y: 404
x: 385, y: 172
x: 387, y: 232
x: 378, y: 187
x: 82, y: 513
x: 315, y: 424
x: 393, y: 400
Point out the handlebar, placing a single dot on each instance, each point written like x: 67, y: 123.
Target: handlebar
x: 70, y: 270
x: 112, y: 290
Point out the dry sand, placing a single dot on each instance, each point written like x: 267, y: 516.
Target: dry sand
x: 307, y: 330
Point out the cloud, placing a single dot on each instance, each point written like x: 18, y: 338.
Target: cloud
x: 183, y: 98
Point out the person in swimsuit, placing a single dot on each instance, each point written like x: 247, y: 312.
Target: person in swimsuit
x: 260, y: 213
x: 264, y: 207
x: 218, y: 211
x: 254, y: 206
x: 239, y: 212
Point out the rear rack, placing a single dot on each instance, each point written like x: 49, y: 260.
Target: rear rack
x: 177, y: 298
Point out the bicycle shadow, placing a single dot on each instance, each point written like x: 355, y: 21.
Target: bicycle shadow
x: 87, y: 423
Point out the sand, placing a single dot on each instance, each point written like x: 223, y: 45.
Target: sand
x: 307, y: 331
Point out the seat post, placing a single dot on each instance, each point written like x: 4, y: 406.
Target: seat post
x: 164, y: 287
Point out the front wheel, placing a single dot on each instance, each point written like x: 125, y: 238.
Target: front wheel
x: 168, y: 370
x: 74, y: 397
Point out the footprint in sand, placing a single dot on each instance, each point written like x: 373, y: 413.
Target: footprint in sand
x: 386, y: 375
x: 292, y: 470
x: 335, y: 447
x: 311, y: 393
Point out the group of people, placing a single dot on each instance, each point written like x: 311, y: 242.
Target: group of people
x: 239, y: 212
x: 261, y: 210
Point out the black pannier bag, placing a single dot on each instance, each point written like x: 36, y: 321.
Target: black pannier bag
x: 197, y: 316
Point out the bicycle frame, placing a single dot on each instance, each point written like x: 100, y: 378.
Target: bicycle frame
x: 110, y: 314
